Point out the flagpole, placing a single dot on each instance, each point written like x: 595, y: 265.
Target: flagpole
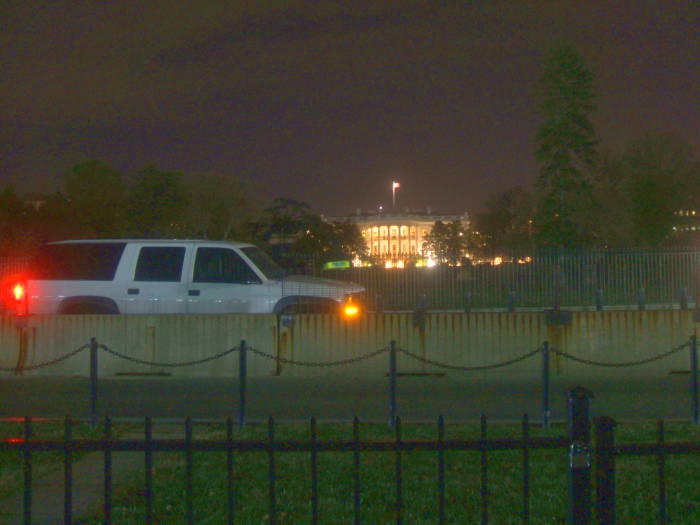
x: 394, y: 185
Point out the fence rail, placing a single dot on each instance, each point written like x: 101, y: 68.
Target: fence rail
x: 566, y: 279
x: 594, y: 279
x: 589, y: 460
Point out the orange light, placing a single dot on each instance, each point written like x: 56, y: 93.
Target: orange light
x: 350, y: 310
x: 18, y: 291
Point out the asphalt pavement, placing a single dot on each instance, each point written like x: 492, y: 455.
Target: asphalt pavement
x: 458, y: 397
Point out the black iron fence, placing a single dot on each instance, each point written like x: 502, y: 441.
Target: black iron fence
x: 591, y: 464
x: 593, y: 279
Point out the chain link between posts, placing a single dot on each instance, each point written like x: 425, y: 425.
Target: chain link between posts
x: 351, y: 360
x: 469, y: 368
x: 621, y: 364
x: 46, y: 363
x: 172, y: 365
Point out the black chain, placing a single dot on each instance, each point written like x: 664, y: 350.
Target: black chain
x: 627, y: 363
x: 46, y: 363
x: 479, y: 367
x: 322, y: 364
x: 183, y: 363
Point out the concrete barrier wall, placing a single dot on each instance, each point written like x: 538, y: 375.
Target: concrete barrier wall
x: 155, y: 338
x: 454, y: 338
x: 473, y: 339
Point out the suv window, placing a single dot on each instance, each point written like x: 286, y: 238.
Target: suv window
x: 162, y: 264
x: 77, y: 261
x: 221, y: 265
x: 263, y: 262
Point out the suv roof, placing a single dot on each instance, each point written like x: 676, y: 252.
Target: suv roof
x: 158, y: 241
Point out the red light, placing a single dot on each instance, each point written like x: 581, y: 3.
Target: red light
x: 18, y: 291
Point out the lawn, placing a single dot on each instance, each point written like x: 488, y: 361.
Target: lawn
x: 637, y: 481
x: 11, y: 465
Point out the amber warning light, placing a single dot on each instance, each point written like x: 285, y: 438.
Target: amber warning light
x: 350, y: 310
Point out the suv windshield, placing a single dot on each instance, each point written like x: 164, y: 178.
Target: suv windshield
x: 266, y: 265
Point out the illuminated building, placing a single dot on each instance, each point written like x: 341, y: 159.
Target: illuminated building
x: 396, y: 239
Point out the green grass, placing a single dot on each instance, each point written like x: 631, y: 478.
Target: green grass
x: 636, y: 480
x: 43, y: 462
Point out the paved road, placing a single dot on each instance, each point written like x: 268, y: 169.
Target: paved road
x: 500, y: 396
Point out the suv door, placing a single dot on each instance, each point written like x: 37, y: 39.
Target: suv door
x: 157, y: 286
x: 222, y: 282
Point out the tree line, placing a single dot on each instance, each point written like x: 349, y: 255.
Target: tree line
x: 586, y: 195
x: 96, y: 201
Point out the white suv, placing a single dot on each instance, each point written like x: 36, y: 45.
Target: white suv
x: 172, y: 276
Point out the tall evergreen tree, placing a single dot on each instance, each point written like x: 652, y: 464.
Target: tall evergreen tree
x: 566, y: 151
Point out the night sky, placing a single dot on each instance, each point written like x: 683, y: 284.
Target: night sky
x: 327, y: 102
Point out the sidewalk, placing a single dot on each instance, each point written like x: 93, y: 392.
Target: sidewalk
x: 88, y: 485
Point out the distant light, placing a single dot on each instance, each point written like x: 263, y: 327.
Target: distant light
x: 388, y: 264
x: 497, y: 261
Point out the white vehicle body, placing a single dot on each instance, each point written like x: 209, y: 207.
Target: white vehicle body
x: 145, y: 276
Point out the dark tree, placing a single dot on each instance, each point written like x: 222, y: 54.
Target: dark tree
x: 659, y: 182
x: 156, y: 204
x: 96, y: 192
x: 506, y: 223
x: 448, y: 241
x: 566, y: 151
x: 14, y: 230
x: 218, y: 207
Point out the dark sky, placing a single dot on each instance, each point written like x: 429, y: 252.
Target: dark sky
x: 327, y: 102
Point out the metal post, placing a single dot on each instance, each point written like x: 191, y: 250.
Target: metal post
x: 379, y: 300
x: 242, y: 374
x: 467, y: 302
x: 392, y: 383
x: 545, y: 384
x: 93, y: 382
x: 579, y: 456
x: 605, y: 470
x: 599, y: 299
x: 557, y: 297
x: 511, y: 301
x: 694, y: 379
x: 642, y: 300
x: 684, y: 299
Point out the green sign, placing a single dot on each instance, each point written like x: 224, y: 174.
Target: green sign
x: 336, y: 265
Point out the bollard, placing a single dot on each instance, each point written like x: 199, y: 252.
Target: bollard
x: 599, y: 300
x: 545, y: 384
x: 392, y: 383
x: 579, y: 456
x: 242, y: 373
x: 379, y: 302
x: 511, y: 301
x: 694, y: 379
x: 605, y: 470
x: 93, y: 382
x: 467, y: 302
x: 642, y: 299
x: 556, y: 306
